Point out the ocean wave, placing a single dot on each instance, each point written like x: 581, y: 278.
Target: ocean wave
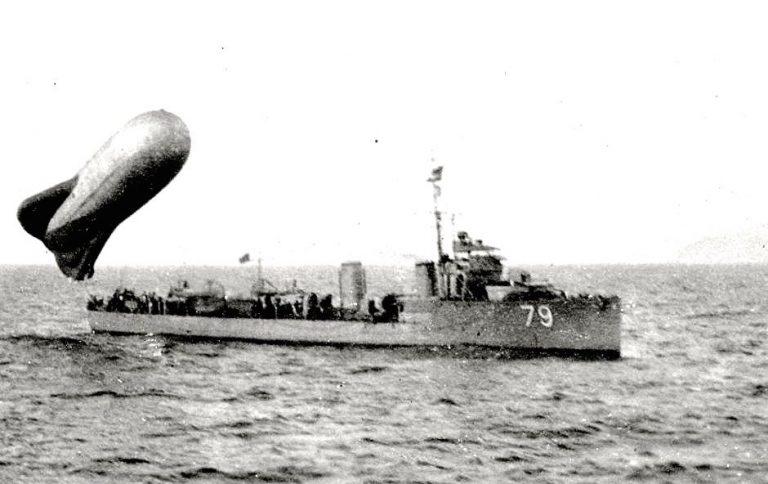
x: 245, y: 435
x: 122, y: 460
x: 511, y: 458
x: 68, y: 342
x: 258, y: 394
x: 280, y: 474
x: 115, y: 394
x: 651, y: 471
x: 759, y: 390
x: 728, y: 313
x: 367, y: 369
x: 238, y: 424
x: 561, y: 433
x: 425, y: 463
x: 443, y: 440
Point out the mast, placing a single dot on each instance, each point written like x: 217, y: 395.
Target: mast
x: 437, y: 176
x: 438, y: 221
x: 259, y: 278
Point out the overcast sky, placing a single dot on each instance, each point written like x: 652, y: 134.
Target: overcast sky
x: 570, y: 132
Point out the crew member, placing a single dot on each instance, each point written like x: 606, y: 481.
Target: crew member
x: 269, y: 311
x: 257, y: 308
x: 326, y: 307
x: 313, y: 307
x: 298, y: 308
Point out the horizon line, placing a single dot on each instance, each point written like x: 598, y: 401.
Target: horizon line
x: 539, y: 264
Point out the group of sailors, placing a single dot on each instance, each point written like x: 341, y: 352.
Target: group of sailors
x: 265, y: 306
x: 321, y: 309
x: 126, y: 301
x: 389, y: 312
x: 318, y: 309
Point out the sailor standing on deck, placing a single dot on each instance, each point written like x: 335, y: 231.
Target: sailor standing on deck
x: 257, y: 308
x: 313, y: 307
x: 298, y: 308
x: 269, y: 308
x: 326, y: 307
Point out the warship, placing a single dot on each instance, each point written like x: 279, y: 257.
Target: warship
x: 460, y: 300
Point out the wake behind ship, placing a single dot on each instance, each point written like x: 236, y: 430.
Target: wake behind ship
x: 462, y: 299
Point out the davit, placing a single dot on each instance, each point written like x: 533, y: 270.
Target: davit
x: 75, y: 218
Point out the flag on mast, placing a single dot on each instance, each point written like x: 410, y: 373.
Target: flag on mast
x: 245, y: 258
x: 437, y: 174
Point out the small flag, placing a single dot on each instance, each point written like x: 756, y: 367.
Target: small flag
x: 437, y: 174
x: 245, y: 258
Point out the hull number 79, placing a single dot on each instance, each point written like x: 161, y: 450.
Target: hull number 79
x: 543, y: 311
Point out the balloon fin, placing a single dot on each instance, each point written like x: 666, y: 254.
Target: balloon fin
x: 78, y: 262
x: 36, y: 211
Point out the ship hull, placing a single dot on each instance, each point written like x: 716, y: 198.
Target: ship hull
x: 548, y: 327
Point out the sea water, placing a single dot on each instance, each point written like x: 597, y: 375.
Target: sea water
x: 688, y: 400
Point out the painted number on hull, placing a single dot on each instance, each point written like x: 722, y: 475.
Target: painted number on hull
x: 543, y: 311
